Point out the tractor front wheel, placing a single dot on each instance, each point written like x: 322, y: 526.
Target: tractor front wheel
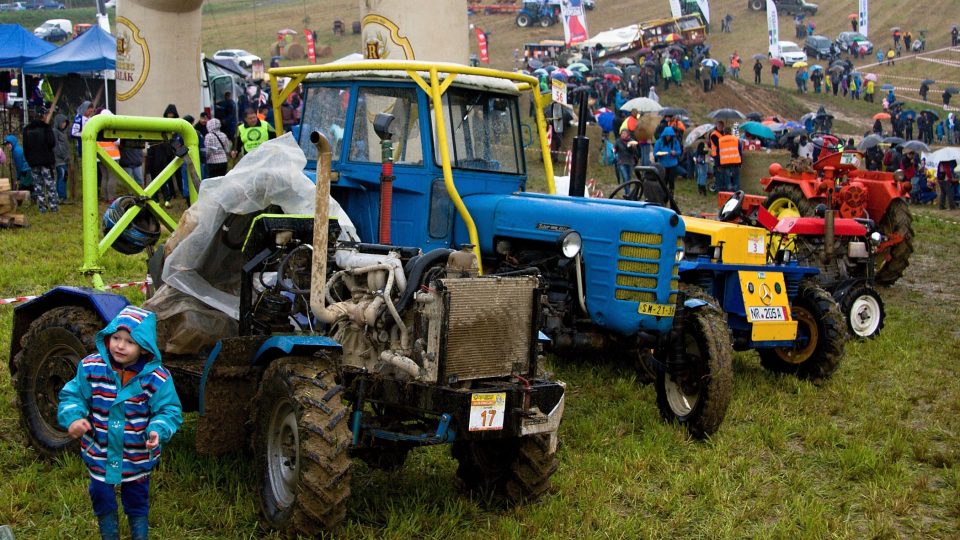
x: 517, y: 470
x: 697, y: 395
x: 863, y: 309
x: 52, y: 348
x: 892, y: 261
x: 755, y: 5
x: 821, y: 336
x: 301, y: 447
x: 788, y: 201
x: 523, y: 20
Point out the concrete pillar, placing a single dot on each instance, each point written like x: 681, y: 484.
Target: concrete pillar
x: 158, y: 56
x: 431, y: 30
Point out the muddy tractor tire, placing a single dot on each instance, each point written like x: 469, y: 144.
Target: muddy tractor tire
x: 52, y: 348
x: 756, y: 5
x: 697, y: 397
x: 523, y: 20
x: 300, y: 447
x: 821, y: 336
x: 788, y: 201
x: 894, y: 260
x: 513, y: 470
x: 863, y: 309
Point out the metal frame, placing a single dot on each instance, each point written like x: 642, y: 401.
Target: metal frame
x: 434, y: 88
x: 142, y: 128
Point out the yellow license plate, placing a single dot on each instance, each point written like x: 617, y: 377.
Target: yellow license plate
x: 657, y: 310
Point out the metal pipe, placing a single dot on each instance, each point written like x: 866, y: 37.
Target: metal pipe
x: 318, y: 274
x: 386, y: 189
x: 581, y: 149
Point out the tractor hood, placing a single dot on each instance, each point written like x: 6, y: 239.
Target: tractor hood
x: 629, y: 249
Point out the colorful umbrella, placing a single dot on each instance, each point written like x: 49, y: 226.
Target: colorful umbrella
x: 696, y: 133
x: 853, y: 16
x: 816, y: 67
x: 881, y: 116
x: 886, y: 86
x: 287, y: 32
x: 758, y: 130
x: 709, y: 62
x: 800, y: 64
x: 776, y: 62
x: 871, y: 77
x: 578, y: 66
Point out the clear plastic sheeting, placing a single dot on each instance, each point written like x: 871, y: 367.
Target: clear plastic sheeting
x: 200, y: 264
x: 186, y: 325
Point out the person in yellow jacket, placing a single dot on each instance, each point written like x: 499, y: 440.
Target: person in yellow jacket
x: 251, y: 134
x: 869, y: 89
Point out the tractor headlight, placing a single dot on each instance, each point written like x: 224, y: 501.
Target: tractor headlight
x: 570, y: 244
x: 680, y: 253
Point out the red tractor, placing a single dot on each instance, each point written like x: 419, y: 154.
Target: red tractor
x: 838, y: 180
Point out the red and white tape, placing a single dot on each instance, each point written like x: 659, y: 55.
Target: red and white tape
x: 141, y: 284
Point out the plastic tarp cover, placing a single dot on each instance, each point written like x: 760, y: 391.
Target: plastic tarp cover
x: 200, y: 264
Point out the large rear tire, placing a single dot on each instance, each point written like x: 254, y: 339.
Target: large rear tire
x: 821, y: 336
x: 523, y: 20
x: 755, y: 5
x: 788, y: 201
x: 697, y: 397
x: 892, y: 261
x: 516, y: 470
x: 301, y: 447
x: 52, y: 348
x: 863, y: 309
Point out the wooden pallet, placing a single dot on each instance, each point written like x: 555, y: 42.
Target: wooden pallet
x: 9, y: 202
x: 13, y: 220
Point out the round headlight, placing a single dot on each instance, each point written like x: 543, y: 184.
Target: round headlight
x: 570, y: 244
x: 898, y: 175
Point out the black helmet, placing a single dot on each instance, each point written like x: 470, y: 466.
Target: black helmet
x: 142, y: 232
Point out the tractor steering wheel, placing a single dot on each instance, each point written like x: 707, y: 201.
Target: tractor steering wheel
x: 733, y: 208
x: 632, y: 190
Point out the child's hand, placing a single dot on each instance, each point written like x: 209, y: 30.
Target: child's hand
x: 153, y: 440
x: 78, y: 428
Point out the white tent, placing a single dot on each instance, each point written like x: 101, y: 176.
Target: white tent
x: 614, y: 37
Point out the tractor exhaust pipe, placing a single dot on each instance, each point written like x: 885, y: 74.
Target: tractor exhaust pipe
x: 828, y: 229
x: 318, y: 275
x: 581, y: 148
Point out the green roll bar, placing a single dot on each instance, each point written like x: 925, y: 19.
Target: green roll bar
x: 142, y: 128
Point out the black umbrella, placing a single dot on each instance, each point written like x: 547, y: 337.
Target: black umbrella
x: 869, y: 142
x: 672, y: 111
x: 759, y: 57
x: 534, y: 63
x: 726, y: 114
x: 927, y: 81
x: 837, y: 68
x: 893, y: 140
x: 952, y: 90
x: 930, y: 112
x: 755, y: 116
x: 916, y: 146
x: 633, y: 70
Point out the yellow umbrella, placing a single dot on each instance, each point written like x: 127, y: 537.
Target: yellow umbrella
x: 800, y: 64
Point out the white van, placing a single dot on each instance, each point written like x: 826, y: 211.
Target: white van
x: 44, y: 30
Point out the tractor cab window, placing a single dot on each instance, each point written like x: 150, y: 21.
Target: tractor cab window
x: 402, y: 104
x: 324, y: 110
x: 482, y: 131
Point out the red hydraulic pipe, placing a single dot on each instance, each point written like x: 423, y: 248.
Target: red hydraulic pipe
x: 386, y: 194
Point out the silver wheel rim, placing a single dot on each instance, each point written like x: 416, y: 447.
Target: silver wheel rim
x: 681, y: 403
x: 865, y: 316
x: 283, y: 446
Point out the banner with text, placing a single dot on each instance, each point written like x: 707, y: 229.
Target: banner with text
x: 773, y: 30
x: 705, y: 9
x: 574, y: 22
x: 482, y: 46
x: 311, y: 46
x: 864, y: 17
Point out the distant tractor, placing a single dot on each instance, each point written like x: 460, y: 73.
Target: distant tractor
x: 839, y: 181
x: 536, y: 13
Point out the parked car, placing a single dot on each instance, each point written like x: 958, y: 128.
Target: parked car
x: 46, y: 4
x: 790, y: 53
x: 13, y: 6
x: 847, y: 40
x: 240, y: 56
x: 819, y: 47
x: 51, y: 26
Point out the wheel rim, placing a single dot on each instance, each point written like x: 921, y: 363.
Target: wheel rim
x: 683, y: 389
x: 283, y: 452
x: 783, y: 208
x: 864, y: 316
x: 57, y: 367
x: 806, y: 326
x: 682, y: 402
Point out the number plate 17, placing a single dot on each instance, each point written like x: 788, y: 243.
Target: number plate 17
x: 486, y: 411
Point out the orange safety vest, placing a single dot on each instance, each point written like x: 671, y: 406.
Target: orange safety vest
x: 729, y: 150
x: 713, y: 148
x: 111, y: 149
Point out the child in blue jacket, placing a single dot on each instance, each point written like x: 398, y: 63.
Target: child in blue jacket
x: 123, y: 407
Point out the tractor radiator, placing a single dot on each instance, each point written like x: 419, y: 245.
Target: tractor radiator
x: 638, y: 267
x: 490, y: 327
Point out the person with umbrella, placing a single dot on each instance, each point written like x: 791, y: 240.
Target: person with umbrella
x: 667, y: 153
x: 947, y: 183
x: 757, y: 69
x: 946, y: 98
x: 924, y: 89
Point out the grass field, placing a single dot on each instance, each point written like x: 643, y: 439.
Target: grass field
x: 873, y: 453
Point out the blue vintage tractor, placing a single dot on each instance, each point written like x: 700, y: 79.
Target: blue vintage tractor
x: 450, y: 172
x: 538, y: 13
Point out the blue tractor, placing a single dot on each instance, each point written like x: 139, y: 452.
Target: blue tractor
x: 450, y: 172
x: 537, y: 12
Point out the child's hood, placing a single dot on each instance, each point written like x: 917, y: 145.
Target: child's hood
x: 141, y: 324
x: 12, y: 139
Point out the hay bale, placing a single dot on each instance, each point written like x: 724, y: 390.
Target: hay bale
x: 295, y: 51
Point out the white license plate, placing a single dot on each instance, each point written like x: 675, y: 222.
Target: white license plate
x: 767, y: 313
x: 486, y: 411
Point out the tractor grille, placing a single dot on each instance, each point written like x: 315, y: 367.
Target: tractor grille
x: 489, y: 327
x: 638, y: 274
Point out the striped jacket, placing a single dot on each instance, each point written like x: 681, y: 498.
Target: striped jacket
x: 122, y: 416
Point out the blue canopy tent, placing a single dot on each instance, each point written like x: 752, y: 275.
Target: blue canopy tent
x: 17, y: 47
x: 94, y: 50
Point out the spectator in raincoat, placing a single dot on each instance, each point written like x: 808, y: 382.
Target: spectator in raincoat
x: 652, y: 94
x: 20, y: 165
x: 666, y: 73
x: 924, y: 89
x: 757, y: 69
x: 667, y: 153
x: 869, y: 91
x: 676, y: 74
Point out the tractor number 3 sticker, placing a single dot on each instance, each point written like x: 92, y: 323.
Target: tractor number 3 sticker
x: 486, y: 411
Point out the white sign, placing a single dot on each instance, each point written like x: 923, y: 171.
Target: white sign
x: 766, y: 313
x: 558, y: 89
x: 773, y: 30
x: 675, y: 8
x: 755, y: 245
x: 486, y: 411
x: 705, y: 9
x: 864, y: 17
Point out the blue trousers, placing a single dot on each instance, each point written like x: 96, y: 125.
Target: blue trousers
x: 134, y: 495
x: 62, y: 182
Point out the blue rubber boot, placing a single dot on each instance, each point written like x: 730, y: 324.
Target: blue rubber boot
x: 139, y: 527
x: 109, y: 526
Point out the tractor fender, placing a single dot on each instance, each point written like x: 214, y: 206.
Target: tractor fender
x: 106, y: 305
x: 273, y: 348
x: 841, y: 289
